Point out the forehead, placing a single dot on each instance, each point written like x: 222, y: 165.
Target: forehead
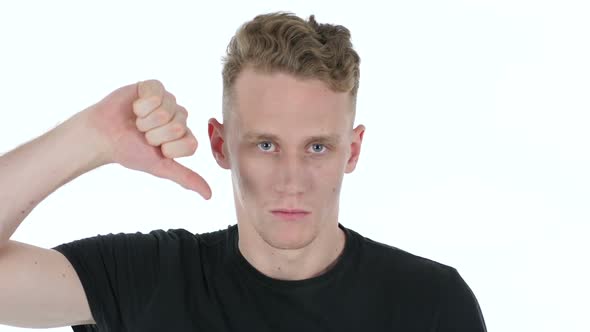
x: 278, y: 101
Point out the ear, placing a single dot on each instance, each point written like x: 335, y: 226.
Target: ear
x: 355, y: 148
x: 218, y: 148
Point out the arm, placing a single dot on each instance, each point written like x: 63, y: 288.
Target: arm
x: 39, y: 287
x: 34, y: 170
x: 30, y: 275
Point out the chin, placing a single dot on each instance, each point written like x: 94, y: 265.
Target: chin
x: 288, y: 236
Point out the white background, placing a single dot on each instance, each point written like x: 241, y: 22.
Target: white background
x: 476, y: 152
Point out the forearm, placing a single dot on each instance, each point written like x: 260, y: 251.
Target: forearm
x: 29, y: 173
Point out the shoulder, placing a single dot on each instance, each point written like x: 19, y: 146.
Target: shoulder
x: 181, y: 244
x: 175, y: 235
x: 410, y: 276
x: 421, y: 282
x: 145, y: 242
x: 403, y: 262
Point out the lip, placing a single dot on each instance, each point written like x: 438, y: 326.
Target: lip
x: 290, y: 210
x: 290, y: 214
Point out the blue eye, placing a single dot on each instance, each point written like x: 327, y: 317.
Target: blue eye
x: 265, y: 146
x: 318, y: 148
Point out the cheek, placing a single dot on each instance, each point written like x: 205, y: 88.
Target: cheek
x: 254, y: 177
x: 328, y: 179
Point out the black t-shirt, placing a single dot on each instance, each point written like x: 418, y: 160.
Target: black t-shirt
x: 179, y: 281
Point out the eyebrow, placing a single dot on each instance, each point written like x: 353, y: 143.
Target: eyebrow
x: 324, y: 139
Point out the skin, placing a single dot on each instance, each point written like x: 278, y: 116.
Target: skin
x: 288, y: 143
x: 141, y: 127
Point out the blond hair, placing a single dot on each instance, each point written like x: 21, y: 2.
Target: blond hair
x: 284, y: 42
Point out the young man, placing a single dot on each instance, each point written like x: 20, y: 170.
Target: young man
x: 287, y: 136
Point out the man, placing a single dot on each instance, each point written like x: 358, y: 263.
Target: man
x: 287, y: 137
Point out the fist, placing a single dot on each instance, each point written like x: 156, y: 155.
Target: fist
x: 145, y: 129
x: 163, y: 121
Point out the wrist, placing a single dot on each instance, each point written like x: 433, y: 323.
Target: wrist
x: 90, y: 145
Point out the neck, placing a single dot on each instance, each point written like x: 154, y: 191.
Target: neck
x: 319, y: 256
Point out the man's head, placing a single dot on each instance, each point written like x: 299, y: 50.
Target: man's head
x: 289, y: 99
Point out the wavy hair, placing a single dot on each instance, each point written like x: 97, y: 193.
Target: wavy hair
x: 284, y: 42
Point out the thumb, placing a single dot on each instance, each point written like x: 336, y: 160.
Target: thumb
x: 172, y: 170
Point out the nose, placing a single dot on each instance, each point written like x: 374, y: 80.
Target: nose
x: 292, y: 175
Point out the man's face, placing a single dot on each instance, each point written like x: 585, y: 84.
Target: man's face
x: 288, y: 144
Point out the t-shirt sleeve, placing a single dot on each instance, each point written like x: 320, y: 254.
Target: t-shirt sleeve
x: 459, y: 309
x: 118, y: 273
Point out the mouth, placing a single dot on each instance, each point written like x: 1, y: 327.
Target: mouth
x: 290, y: 214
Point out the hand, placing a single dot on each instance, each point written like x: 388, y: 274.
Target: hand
x: 145, y: 129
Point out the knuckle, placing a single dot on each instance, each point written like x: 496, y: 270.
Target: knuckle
x: 168, y: 152
x: 136, y: 104
x: 182, y: 111
x: 163, y: 116
x: 192, y: 145
x: 185, y: 152
x: 150, y: 138
x: 139, y: 124
x: 151, y: 87
x: 171, y: 96
x: 173, y: 150
x: 178, y: 129
x: 155, y: 83
x: 156, y: 100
